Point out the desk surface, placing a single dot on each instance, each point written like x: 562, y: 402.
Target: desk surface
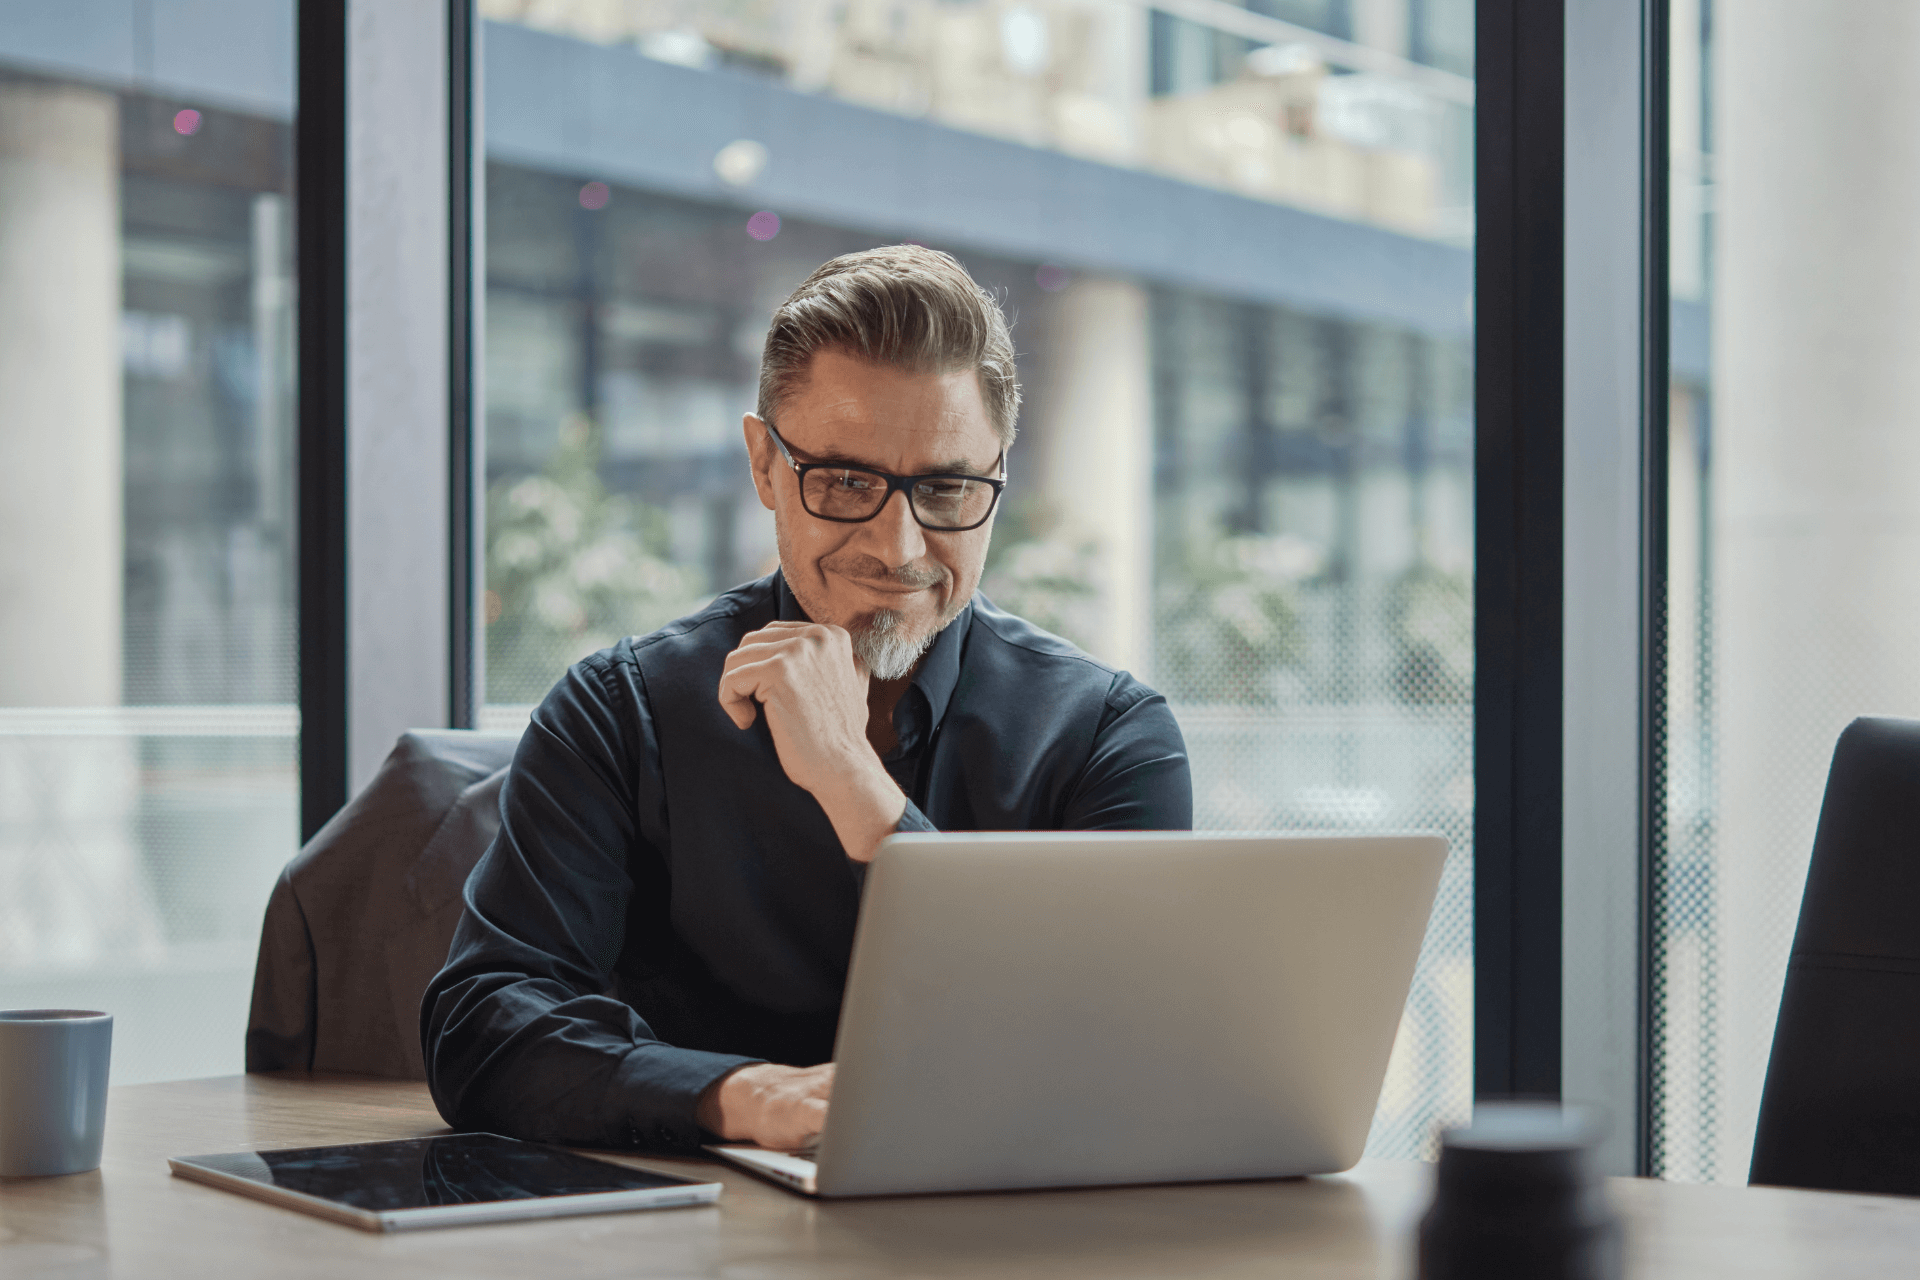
x: 131, y: 1218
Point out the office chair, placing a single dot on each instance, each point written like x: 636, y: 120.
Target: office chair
x: 361, y: 918
x: 1841, y: 1107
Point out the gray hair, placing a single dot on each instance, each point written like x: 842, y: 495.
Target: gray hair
x: 902, y: 305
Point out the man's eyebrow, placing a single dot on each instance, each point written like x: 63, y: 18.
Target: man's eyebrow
x: 829, y: 455
x: 832, y: 456
x: 958, y: 466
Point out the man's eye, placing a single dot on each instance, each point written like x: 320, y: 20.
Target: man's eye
x: 852, y: 481
x: 942, y: 488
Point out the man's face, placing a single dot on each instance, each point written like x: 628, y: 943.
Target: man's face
x: 887, y: 576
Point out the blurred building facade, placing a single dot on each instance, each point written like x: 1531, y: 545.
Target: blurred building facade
x: 1234, y: 245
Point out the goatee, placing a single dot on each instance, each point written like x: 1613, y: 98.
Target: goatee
x: 886, y: 651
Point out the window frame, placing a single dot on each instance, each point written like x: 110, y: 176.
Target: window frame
x: 1572, y: 365
x: 388, y: 371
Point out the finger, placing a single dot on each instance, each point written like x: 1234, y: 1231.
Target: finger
x: 842, y: 640
x: 750, y: 650
x: 737, y: 698
x: 778, y: 631
x: 806, y: 1123
x: 742, y: 711
x: 751, y: 683
x: 823, y: 1080
x: 790, y: 647
x: 760, y: 678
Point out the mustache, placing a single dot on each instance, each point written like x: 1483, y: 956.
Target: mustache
x: 860, y: 565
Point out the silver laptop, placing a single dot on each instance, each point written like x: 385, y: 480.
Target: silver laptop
x: 1084, y: 1008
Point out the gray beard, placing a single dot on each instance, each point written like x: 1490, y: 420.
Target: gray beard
x: 880, y: 646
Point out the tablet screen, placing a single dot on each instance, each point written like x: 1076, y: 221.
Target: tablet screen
x: 418, y: 1173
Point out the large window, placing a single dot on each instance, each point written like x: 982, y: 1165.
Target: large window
x: 1795, y: 460
x: 1236, y: 258
x: 147, y: 727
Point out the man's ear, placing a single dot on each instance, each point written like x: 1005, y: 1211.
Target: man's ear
x: 760, y: 457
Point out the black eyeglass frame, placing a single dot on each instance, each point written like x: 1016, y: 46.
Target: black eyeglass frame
x: 895, y: 484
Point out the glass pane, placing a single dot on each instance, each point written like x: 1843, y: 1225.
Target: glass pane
x: 148, y: 781
x: 1239, y: 272
x: 1795, y: 460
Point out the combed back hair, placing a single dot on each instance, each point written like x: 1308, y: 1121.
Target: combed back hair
x: 902, y: 305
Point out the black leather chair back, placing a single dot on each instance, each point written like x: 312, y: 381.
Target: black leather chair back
x: 361, y: 918
x: 1841, y: 1108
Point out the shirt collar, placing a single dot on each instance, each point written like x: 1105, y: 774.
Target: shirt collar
x: 939, y: 670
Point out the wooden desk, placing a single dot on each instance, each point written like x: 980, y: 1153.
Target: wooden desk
x: 132, y: 1219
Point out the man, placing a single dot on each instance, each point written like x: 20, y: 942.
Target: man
x: 653, y: 950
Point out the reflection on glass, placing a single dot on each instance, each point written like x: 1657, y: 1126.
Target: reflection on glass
x: 147, y: 732
x: 1254, y: 489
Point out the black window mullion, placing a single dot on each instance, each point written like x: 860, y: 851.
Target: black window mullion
x: 320, y: 204
x: 1519, y: 523
x: 1655, y: 375
x: 464, y: 569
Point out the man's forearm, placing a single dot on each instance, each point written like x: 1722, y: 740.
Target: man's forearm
x: 864, y: 805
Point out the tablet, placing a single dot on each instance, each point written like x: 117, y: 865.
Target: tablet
x: 441, y: 1181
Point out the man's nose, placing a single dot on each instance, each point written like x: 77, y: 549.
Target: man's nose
x: 894, y: 535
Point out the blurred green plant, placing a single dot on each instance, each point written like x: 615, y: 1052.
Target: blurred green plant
x: 1229, y: 620
x: 571, y: 568
x: 1431, y: 612
x: 1039, y: 571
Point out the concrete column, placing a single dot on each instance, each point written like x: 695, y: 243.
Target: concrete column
x: 60, y: 444
x: 1381, y: 24
x: 1095, y: 446
x: 1816, y: 453
x: 71, y: 892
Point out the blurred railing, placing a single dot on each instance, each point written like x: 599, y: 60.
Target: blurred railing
x: 137, y: 849
x: 260, y: 720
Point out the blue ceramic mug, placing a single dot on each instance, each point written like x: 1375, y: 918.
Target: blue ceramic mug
x: 53, y: 1090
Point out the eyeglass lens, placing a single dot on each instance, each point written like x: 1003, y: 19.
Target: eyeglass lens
x: 940, y: 502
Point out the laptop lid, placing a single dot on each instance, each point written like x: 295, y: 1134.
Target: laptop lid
x: 1082, y: 1008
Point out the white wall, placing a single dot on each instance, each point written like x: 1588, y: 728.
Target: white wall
x: 1816, y: 496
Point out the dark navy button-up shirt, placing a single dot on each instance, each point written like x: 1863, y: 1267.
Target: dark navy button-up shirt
x: 662, y: 905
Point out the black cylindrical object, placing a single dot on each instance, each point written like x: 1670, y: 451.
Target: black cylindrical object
x: 1517, y: 1197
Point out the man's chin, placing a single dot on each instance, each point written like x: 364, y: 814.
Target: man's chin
x: 889, y: 647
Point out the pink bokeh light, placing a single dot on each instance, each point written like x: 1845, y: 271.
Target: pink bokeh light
x: 186, y: 123
x: 764, y: 225
x: 1052, y: 278
x: 595, y: 195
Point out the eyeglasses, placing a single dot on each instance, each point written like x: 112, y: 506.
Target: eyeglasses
x: 851, y: 495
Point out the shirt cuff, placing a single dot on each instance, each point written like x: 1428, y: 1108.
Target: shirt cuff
x: 911, y: 819
x: 675, y: 1078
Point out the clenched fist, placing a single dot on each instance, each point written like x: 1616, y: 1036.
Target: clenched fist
x: 804, y: 678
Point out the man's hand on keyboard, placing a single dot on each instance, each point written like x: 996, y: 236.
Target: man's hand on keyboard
x: 781, y: 1108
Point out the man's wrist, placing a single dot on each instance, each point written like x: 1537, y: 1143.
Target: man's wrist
x: 713, y: 1112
